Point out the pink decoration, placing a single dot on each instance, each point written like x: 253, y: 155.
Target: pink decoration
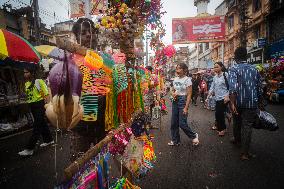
x: 119, y: 58
x: 169, y: 51
x: 120, y: 141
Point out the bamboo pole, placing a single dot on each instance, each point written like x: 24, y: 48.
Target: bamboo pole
x: 66, y: 44
x: 92, y: 152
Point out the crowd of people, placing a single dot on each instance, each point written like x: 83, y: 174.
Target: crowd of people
x: 237, y: 90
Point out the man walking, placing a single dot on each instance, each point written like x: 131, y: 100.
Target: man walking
x: 245, y: 90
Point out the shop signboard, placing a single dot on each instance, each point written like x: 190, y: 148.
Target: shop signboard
x: 198, y: 29
x: 255, y: 56
x: 78, y: 9
x: 261, y: 42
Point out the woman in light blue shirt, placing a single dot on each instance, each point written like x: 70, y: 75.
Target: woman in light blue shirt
x: 220, y: 88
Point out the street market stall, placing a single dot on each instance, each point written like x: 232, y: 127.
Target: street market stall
x: 15, y: 54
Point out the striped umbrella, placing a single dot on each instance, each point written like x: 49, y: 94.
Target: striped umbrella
x: 14, y: 48
x: 50, y: 51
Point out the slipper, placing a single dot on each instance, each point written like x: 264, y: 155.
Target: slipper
x: 221, y: 133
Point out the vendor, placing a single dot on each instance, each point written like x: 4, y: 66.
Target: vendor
x: 88, y: 133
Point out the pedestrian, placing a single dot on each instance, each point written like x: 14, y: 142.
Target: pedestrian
x: 246, y: 97
x: 220, y: 89
x: 181, y: 95
x: 203, y: 89
x: 150, y: 99
x: 195, y: 83
x: 36, y: 91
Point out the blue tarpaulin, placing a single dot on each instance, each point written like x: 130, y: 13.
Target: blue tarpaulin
x: 276, y: 49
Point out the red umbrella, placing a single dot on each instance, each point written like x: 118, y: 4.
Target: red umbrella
x: 15, y: 48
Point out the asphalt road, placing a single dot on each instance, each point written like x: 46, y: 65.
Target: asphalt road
x: 214, y: 164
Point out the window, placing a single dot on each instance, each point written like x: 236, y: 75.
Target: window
x: 256, y: 5
x: 257, y: 32
x: 200, y: 48
x: 206, y: 46
x: 231, y: 22
x: 231, y: 3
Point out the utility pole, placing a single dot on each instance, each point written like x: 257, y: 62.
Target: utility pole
x: 36, y: 22
x: 147, y: 61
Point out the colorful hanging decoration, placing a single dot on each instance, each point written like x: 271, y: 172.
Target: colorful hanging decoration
x: 64, y: 110
x: 119, y: 58
x: 119, y: 78
x: 109, y: 112
x: 124, y: 183
x: 95, y: 173
x: 119, y: 142
x: 93, y: 61
x: 133, y: 156
x: 169, y: 51
x: 139, y: 124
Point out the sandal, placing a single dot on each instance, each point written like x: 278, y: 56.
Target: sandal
x: 195, y: 141
x: 221, y: 133
x: 244, y: 157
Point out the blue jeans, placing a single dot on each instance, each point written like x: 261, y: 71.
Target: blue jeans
x: 180, y: 120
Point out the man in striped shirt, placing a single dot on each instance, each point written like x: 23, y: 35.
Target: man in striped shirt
x: 246, y: 93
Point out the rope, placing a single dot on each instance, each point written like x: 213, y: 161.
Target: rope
x: 55, y: 147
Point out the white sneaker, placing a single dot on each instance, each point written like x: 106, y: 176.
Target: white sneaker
x: 171, y: 143
x: 195, y: 141
x: 46, y: 144
x: 26, y: 152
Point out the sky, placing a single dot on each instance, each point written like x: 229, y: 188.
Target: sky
x: 174, y: 9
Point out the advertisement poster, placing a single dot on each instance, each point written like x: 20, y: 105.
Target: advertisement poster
x: 198, y: 29
x: 78, y: 7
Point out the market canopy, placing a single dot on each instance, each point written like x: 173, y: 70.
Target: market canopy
x: 14, y: 48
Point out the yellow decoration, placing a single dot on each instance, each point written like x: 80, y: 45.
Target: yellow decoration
x: 112, y: 19
x: 93, y: 60
x: 109, y: 112
x: 118, y: 15
x: 97, y: 26
x: 122, y: 10
x: 104, y: 21
x: 123, y: 5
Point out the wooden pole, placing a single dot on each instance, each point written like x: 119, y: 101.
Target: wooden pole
x: 92, y: 152
x: 65, y: 44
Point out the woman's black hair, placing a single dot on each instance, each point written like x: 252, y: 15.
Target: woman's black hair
x: 223, y: 68
x: 36, y: 72
x: 33, y: 76
x: 76, y: 29
x: 84, y: 22
x: 184, y: 67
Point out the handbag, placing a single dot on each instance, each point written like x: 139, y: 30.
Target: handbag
x: 265, y: 121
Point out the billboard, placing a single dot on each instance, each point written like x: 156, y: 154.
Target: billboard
x: 78, y: 10
x: 198, y: 29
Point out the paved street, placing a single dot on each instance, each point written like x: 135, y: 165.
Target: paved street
x: 214, y: 164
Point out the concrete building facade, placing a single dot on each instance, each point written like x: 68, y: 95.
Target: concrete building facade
x: 256, y: 13
x: 21, y: 22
